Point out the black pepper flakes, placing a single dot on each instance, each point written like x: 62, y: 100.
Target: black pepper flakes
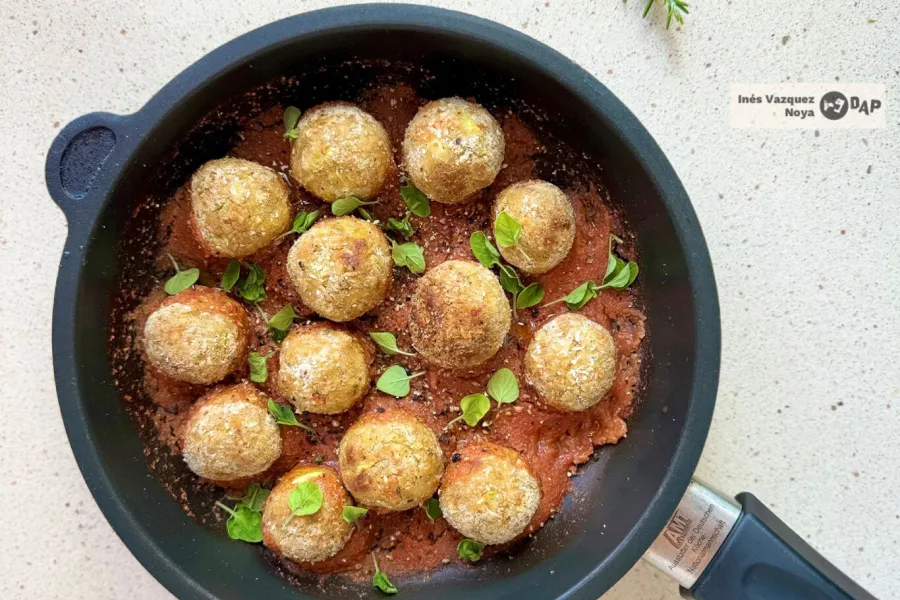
x: 456, y: 457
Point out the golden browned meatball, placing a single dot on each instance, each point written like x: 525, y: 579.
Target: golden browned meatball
x: 548, y: 225
x: 323, y: 369
x: 490, y: 494
x: 229, y: 434
x: 390, y: 460
x: 571, y: 362
x: 340, y: 151
x: 341, y: 267
x: 306, y: 538
x: 459, y: 315
x: 238, y: 206
x: 199, y: 335
x: 452, y: 149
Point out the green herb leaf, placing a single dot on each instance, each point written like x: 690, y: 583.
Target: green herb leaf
x: 346, y: 205
x: 507, y: 230
x: 181, y: 280
x: 284, y: 415
x: 319, y: 459
x: 470, y: 550
x: 674, y: 9
x: 387, y: 343
x: 283, y: 319
x: 403, y: 227
x: 474, y: 407
x: 301, y: 223
x: 503, y: 386
x: 580, y: 296
x: 351, y: 514
x: 255, y: 497
x: 409, y: 255
x: 259, y: 368
x: 530, y: 296
x: 291, y: 117
x: 244, y: 523
x: 416, y: 201
x: 365, y: 215
x: 305, y: 499
x: 619, y: 274
x: 433, y: 509
x: 484, y: 250
x: 395, y: 381
x: 252, y: 288
x: 231, y: 275
x: 381, y: 581
x: 509, y: 280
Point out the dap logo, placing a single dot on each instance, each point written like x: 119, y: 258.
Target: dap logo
x: 834, y: 105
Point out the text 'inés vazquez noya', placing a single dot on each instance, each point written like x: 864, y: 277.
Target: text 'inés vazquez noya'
x: 801, y: 105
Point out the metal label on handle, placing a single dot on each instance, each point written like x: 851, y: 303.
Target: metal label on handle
x: 693, y: 535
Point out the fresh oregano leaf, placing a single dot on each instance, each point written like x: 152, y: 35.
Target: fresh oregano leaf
x: 259, y: 368
x: 433, y: 509
x: 415, y: 200
x: 231, y: 275
x: 291, y: 117
x: 387, y: 343
x: 380, y: 580
x: 244, y: 523
x: 484, y: 250
x: 403, y: 227
x: 352, y: 514
x: 530, y: 296
x: 305, y: 499
x: 503, y: 386
x: 470, y: 550
x: 346, y: 205
x: 284, y: 415
x: 255, y: 497
x: 408, y: 255
x: 507, y: 230
x: 181, y: 280
x: 395, y: 381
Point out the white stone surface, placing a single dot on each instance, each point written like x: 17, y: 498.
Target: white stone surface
x: 803, y: 230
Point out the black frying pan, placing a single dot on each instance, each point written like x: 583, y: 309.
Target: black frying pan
x: 100, y: 165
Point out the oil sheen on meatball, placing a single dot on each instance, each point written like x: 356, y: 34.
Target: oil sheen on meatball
x: 453, y: 148
x: 490, y: 494
x: 306, y: 538
x: 199, y: 335
x: 459, y: 315
x: 323, y: 369
x: 390, y: 460
x: 571, y: 362
x: 341, y: 267
x: 340, y: 151
x: 548, y: 225
x: 229, y: 434
x: 238, y: 207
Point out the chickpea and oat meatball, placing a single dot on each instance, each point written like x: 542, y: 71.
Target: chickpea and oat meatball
x: 453, y: 148
x: 548, y: 225
x: 571, y: 362
x: 238, y: 206
x: 390, y: 460
x: 229, y: 434
x: 490, y: 494
x: 341, y: 267
x: 323, y: 369
x: 199, y: 335
x: 459, y: 315
x: 308, y: 538
x: 340, y: 151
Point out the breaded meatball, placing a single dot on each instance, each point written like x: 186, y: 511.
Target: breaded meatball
x: 323, y: 369
x: 459, y: 315
x: 548, y: 225
x: 238, y: 206
x: 340, y: 151
x: 390, y: 460
x: 307, y: 538
x: 452, y: 149
x: 341, y: 267
x: 571, y: 362
x: 199, y: 335
x: 490, y: 494
x: 229, y: 434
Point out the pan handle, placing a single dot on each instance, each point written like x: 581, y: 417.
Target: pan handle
x: 719, y: 549
x: 74, y: 169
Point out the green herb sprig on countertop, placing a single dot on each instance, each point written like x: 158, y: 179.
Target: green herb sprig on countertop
x: 181, y: 280
x: 380, y: 580
x: 675, y: 9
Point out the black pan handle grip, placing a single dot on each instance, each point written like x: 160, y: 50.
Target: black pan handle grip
x: 76, y: 159
x: 721, y: 550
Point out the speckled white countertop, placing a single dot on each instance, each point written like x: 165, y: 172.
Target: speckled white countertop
x: 803, y: 228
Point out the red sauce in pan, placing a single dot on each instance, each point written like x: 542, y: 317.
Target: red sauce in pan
x: 553, y: 443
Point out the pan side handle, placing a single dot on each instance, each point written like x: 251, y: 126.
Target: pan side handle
x: 719, y: 549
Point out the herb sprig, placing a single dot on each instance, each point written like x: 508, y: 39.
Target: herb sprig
x: 181, y: 280
x: 284, y: 415
x: 302, y: 222
x: 415, y: 200
x: 305, y: 499
x: 387, y: 343
x: 409, y: 255
x: 502, y: 387
x: 245, y: 519
x: 346, y: 205
x: 507, y: 231
x: 259, y: 368
x: 675, y: 9
x: 395, y: 381
x: 380, y: 580
x: 470, y: 550
x: 291, y: 118
x: 352, y: 514
x: 619, y: 276
x: 433, y: 509
x: 488, y: 255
